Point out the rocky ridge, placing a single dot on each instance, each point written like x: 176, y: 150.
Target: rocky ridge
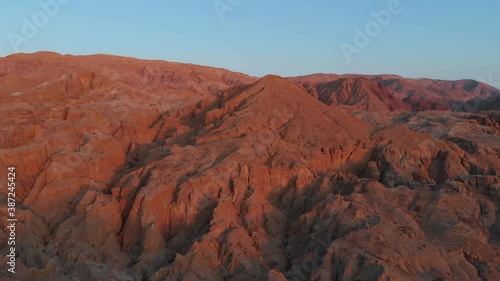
x: 229, y: 177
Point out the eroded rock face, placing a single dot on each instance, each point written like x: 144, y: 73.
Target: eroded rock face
x: 391, y: 92
x: 204, y: 174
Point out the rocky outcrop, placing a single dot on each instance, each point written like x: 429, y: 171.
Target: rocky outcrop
x: 251, y: 181
x: 356, y: 93
x: 391, y: 92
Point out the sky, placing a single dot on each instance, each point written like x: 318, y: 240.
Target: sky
x: 446, y: 39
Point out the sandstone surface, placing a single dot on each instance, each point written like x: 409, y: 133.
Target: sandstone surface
x: 150, y: 170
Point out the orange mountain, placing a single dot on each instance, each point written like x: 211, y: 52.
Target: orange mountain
x: 129, y: 169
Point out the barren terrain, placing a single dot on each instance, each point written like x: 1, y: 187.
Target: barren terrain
x: 148, y: 170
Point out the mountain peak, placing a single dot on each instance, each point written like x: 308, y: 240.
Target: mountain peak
x: 275, y: 80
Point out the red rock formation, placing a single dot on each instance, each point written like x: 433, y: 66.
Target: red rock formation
x: 359, y: 93
x: 198, y: 173
x: 390, y: 92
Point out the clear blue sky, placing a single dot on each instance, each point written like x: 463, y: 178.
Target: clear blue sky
x: 450, y: 39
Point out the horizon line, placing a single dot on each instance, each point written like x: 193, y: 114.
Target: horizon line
x: 240, y: 72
